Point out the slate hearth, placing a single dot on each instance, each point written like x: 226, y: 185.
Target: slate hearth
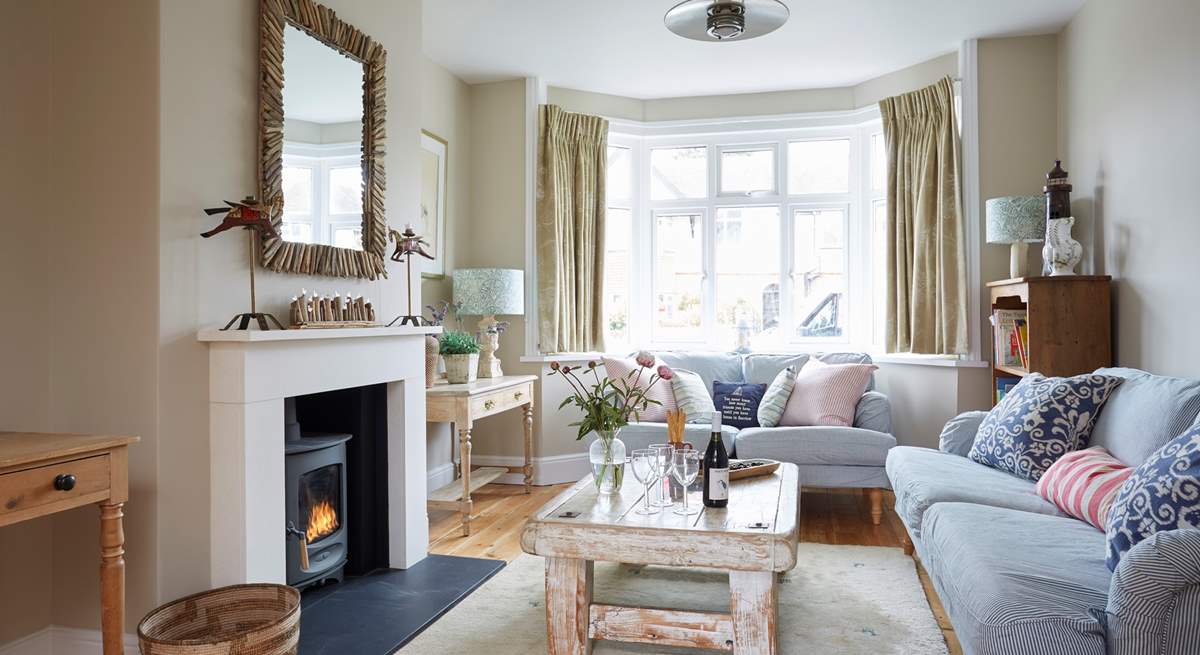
x: 377, y: 613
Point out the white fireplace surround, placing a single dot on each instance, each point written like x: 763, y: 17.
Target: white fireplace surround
x: 250, y: 374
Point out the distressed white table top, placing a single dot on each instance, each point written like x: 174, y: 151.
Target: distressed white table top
x: 757, y: 531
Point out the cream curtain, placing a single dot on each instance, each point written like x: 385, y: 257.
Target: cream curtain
x: 926, y: 260
x: 572, y: 154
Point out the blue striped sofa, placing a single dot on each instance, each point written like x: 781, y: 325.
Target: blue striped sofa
x: 1016, y: 576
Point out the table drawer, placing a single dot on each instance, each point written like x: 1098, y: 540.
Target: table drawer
x: 33, y: 492
x: 499, y: 401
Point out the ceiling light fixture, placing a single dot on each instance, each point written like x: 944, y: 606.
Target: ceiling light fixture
x: 726, y: 20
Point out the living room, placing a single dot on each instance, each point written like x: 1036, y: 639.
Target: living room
x: 544, y: 267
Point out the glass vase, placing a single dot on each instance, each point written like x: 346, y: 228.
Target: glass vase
x: 607, y: 455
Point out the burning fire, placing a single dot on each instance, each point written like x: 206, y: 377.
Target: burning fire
x: 322, y: 521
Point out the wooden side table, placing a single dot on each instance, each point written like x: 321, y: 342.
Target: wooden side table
x: 462, y: 405
x: 41, y: 474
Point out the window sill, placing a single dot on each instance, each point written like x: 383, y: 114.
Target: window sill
x: 909, y: 360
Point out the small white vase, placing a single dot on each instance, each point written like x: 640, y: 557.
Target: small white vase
x: 1061, y: 252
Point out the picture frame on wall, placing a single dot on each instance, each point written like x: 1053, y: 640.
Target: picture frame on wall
x: 432, y: 224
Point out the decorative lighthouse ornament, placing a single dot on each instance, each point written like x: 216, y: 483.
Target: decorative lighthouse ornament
x: 1061, y: 252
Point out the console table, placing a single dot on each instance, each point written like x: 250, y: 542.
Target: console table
x: 462, y: 405
x: 42, y: 474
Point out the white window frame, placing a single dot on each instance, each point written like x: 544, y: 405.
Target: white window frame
x: 321, y: 159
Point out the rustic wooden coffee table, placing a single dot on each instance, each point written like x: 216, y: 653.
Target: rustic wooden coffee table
x: 754, y: 539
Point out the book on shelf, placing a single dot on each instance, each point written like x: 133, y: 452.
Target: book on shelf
x: 1007, y: 343
x: 1004, y: 385
x: 1021, y: 334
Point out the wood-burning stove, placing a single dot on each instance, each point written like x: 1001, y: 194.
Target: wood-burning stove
x: 315, y: 475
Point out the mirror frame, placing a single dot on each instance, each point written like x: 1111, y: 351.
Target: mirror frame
x: 322, y: 23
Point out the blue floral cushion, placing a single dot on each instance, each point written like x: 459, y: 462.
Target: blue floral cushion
x: 1162, y: 494
x: 1040, y: 420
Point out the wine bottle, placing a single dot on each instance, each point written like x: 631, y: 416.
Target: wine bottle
x: 716, y: 468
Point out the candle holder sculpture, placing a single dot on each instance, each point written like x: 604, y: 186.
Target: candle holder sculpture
x: 255, y: 218
x: 408, y: 243
x: 316, y: 311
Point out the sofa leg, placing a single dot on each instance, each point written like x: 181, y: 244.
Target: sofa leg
x: 876, y: 496
x: 907, y: 544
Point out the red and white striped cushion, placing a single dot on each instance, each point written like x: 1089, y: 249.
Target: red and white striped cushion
x: 826, y: 394
x: 661, y: 391
x: 1084, y: 483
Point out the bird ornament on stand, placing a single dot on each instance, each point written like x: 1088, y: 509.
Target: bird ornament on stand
x: 254, y: 217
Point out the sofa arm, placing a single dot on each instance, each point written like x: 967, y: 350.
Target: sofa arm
x: 1154, y: 597
x: 874, y: 412
x: 959, y: 433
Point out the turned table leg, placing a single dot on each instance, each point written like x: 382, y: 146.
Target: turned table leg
x: 112, y: 577
x: 465, y: 506
x: 876, y: 496
x: 754, y: 607
x: 529, y: 447
x: 568, y: 605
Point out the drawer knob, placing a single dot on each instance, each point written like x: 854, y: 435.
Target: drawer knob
x: 488, y: 404
x: 64, y: 482
x: 517, y: 395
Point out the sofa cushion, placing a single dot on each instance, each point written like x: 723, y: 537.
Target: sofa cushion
x: 1161, y: 495
x: 1084, y: 484
x: 770, y: 410
x: 692, y: 397
x: 1039, y: 421
x: 763, y: 367
x: 848, y: 358
x: 711, y: 367
x: 1144, y: 413
x: 657, y: 391
x: 816, y: 445
x: 640, y: 435
x: 826, y: 394
x: 922, y: 477
x: 873, y: 412
x: 1015, y: 582
x: 738, y: 402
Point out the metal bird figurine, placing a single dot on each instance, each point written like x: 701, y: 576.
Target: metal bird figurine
x: 248, y: 213
x: 408, y: 243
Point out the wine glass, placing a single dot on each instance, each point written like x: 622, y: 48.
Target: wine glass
x: 663, y: 495
x: 646, y: 469
x: 685, y: 466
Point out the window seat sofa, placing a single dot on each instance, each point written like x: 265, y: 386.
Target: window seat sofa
x: 1016, y: 575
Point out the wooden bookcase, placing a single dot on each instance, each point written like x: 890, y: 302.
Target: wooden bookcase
x: 1069, y: 319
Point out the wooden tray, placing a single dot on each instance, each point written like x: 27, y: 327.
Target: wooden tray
x: 760, y: 467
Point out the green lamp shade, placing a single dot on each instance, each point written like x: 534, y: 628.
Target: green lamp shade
x: 1016, y: 219
x: 489, y: 291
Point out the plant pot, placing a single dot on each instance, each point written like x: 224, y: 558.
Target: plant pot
x: 461, y: 369
x: 607, y: 456
x: 431, y: 359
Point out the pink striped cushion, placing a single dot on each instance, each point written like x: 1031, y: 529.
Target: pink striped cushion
x: 661, y: 391
x: 1084, y: 483
x: 826, y: 394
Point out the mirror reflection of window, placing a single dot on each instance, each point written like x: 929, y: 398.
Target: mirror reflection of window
x: 322, y: 143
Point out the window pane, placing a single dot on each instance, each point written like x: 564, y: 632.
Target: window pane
x: 678, y: 275
x: 345, y: 190
x: 879, y: 267
x: 619, y: 185
x: 677, y: 173
x: 819, y: 166
x: 345, y: 236
x: 819, y: 275
x: 618, y: 269
x: 878, y: 162
x: 297, y: 190
x: 747, y: 171
x: 747, y: 276
x: 296, y: 232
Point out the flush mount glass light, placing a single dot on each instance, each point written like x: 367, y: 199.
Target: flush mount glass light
x: 726, y: 20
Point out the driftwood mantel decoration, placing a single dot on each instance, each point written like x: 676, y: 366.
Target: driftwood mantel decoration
x: 323, y: 24
x: 316, y: 311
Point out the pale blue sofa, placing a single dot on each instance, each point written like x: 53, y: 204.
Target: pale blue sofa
x: 1017, y: 576
x: 827, y: 456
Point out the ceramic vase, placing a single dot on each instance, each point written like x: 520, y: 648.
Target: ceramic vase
x: 461, y: 369
x: 1061, y: 252
x: 607, y: 455
x: 431, y: 359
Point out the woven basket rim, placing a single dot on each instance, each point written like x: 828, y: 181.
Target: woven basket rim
x: 283, y: 618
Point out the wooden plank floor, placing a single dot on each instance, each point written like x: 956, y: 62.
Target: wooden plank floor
x: 827, y: 516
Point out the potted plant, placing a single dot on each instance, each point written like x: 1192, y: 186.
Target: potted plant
x: 461, y: 354
x: 608, y: 404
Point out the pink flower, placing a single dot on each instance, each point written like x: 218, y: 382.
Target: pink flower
x: 554, y: 366
x: 645, y: 359
x: 566, y: 369
x: 665, y: 372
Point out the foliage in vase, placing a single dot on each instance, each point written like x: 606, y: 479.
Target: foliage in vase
x: 457, y: 343
x: 608, y: 404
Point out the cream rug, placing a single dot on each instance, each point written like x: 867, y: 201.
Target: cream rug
x: 838, y: 599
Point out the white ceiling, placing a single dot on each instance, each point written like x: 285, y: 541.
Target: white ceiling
x: 621, y: 46
x: 320, y: 84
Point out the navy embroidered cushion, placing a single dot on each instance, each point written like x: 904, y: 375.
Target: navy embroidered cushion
x: 1040, y: 420
x: 1162, y: 494
x: 738, y: 402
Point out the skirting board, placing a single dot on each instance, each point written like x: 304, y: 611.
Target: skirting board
x: 546, y: 470
x: 57, y: 640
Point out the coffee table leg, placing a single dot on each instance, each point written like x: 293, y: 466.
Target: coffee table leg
x: 753, y: 604
x: 568, y: 604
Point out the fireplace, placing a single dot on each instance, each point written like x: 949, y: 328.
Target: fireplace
x: 315, y: 475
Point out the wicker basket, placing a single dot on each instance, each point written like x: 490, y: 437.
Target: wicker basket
x: 250, y: 619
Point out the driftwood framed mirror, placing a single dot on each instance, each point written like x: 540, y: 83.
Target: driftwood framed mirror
x: 322, y: 104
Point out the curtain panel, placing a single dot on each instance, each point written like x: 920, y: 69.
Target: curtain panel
x: 926, y: 256
x: 572, y: 157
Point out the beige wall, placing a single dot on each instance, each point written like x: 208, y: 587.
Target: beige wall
x: 1128, y: 109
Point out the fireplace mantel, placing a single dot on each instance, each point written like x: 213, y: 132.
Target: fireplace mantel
x: 250, y: 374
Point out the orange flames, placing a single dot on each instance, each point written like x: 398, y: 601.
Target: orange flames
x: 322, y: 521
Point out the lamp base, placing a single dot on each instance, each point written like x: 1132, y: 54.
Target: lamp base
x: 489, y: 343
x: 1018, y: 260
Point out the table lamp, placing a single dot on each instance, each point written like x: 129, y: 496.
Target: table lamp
x: 1016, y: 220
x: 487, y: 292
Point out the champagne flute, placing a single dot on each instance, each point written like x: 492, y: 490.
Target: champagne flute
x: 664, y: 451
x: 646, y: 469
x: 685, y: 466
